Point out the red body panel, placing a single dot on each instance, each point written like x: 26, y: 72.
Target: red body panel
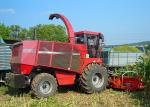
x: 24, y: 57
x: 16, y: 53
x: 26, y: 69
x: 65, y: 78
x: 59, y: 55
x: 29, y: 52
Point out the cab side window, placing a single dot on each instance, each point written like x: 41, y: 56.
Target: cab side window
x: 80, y: 39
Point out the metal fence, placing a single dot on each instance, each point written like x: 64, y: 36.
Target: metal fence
x: 118, y: 59
x: 5, y: 55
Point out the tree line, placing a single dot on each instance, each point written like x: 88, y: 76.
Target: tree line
x: 42, y: 32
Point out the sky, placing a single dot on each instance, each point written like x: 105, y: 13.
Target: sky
x: 120, y: 21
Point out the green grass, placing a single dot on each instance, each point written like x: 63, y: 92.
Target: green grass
x: 71, y: 98
x: 125, y: 48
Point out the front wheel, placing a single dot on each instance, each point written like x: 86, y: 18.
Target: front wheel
x: 43, y: 85
x: 93, y: 79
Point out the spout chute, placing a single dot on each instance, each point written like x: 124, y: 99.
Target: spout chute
x: 68, y: 25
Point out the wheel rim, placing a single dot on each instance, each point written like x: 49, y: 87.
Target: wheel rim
x: 97, y: 80
x: 45, y: 87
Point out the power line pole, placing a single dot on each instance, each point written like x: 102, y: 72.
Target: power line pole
x: 34, y: 34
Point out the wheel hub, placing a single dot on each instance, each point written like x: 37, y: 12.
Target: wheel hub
x: 45, y: 87
x: 97, y: 80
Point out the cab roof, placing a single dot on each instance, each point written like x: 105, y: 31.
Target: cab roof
x: 87, y: 32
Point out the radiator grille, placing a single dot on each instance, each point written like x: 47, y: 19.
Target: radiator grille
x: 58, y: 55
x: 75, y: 59
x: 44, y: 58
x: 62, y: 58
x: 16, y: 53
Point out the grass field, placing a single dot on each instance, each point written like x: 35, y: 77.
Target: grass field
x: 70, y: 97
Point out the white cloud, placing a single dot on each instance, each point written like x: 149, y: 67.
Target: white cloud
x: 9, y: 10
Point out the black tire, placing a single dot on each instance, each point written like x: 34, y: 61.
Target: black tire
x: 93, y: 79
x: 43, y: 85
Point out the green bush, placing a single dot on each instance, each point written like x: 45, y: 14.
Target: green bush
x: 147, y: 48
x: 143, y: 68
x: 125, y: 48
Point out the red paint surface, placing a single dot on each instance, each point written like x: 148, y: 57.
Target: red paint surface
x: 29, y: 52
x: 26, y: 69
x: 126, y: 83
x: 65, y: 78
x: 88, y: 32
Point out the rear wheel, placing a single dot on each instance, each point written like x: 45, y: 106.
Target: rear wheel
x: 44, y: 85
x: 93, y: 79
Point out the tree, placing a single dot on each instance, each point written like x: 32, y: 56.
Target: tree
x: 49, y: 32
x: 15, y: 30
x: 42, y: 32
x: 23, y: 34
x: 11, y: 32
x: 4, y: 31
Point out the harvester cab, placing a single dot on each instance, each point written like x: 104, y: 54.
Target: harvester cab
x: 93, y: 41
